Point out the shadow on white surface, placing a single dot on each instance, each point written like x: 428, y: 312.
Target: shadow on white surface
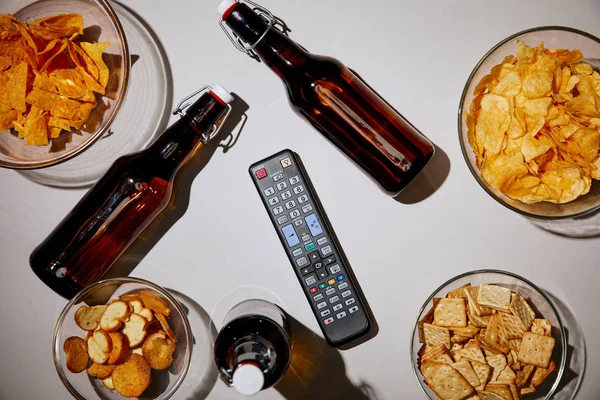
x: 317, y: 370
x: 576, y: 353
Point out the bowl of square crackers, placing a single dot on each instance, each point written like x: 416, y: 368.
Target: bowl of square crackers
x: 489, y: 335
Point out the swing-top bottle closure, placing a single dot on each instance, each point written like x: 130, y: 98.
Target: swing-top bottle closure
x: 219, y: 94
x: 226, y: 8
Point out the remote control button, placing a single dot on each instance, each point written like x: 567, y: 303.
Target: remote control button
x: 341, y: 315
x: 290, y: 235
x: 326, y: 250
x: 309, y: 246
x: 277, y: 210
x: 282, y: 220
x: 290, y: 204
x: 297, y: 252
x: 318, y: 265
x: 302, y: 261
x: 322, y: 241
x: 294, y: 179
x: 299, y: 222
x: 325, y: 313
x: 305, y: 237
x: 313, y: 290
x: 329, y: 260
x: 330, y: 291
x: 261, y: 173
x: 295, y: 214
x: 335, y: 269
x: 350, y: 301
x: 342, y: 285
x: 303, y: 199
x: 322, y: 286
x: 346, y: 293
x: 334, y: 299
x: 353, y: 309
x: 330, y: 282
x: 318, y: 297
x: 341, y: 277
x: 298, y: 189
x: 328, y: 321
x: 286, y: 195
x: 322, y: 305
x: 313, y: 225
x: 314, y: 256
x: 307, y: 208
x: 281, y: 186
x: 273, y: 201
x: 338, y: 307
x: 311, y: 280
x: 277, y: 177
x: 286, y: 162
x: 306, y: 270
x: 322, y: 274
x: 269, y: 191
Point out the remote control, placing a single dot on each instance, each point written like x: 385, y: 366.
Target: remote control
x: 307, y: 237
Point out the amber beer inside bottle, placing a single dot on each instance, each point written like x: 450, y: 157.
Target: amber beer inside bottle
x: 113, y: 213
x: 338, y: 104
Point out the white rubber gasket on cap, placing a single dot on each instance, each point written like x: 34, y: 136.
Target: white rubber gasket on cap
x: 222, y: 93
x: 248, y: 379
x: 224, y: 6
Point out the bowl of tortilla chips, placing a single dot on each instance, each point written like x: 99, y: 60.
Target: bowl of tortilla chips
x: 64, y: 71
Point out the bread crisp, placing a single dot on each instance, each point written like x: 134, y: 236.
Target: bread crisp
x: 155, y: 303
x: 132, y: 377
x: 158, y: 351
x: 100, y: 371
x: 76, y: 351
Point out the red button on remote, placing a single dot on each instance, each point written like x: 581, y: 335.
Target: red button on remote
x: 313, y: 290
x: 261, y: 173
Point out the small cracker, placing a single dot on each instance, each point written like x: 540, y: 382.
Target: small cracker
x: 521, y: 309
x: 541, y: 327
x: 541, y: 374
x: 523, y: 379
x: 514, y: 344
x: 449, y: 384
x: 474, y: 307
x: 466, y: 369
x: 527, y: 390
x: 513, y: 327
x: 459, y: 292
x: 507, y: 374
x: 536, y: 350
x: 477, y: 321
x: 457, y: 346
x: 500, y: 389
x: 498, y: 363
x: 483, y: 371
x: 436, y: 335
x: 493, y: 296
x: 485, y: 395
x: 514, y: 390
x: 471, y: 353
x: 427, y: 319
x: 468, y: 331
x: 450, y: 312
x: 428, y: 368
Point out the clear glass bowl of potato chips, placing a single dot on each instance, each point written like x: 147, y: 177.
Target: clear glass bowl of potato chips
x: 528, y: 125
x: 64, y: 71
x: 121, y: 338
x: 489, y: 333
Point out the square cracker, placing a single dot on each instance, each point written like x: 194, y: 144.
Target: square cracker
x: 449, y: 384
x: 541, y: 327
x: 451, y: 312
x: 466, y: 369
x: 513, y: 327
x: 471, y: 353
x: 485, y: 395
x: 474, y: 307
x: 459, y: 292
x: 536, y: 350
x: 521, y: 309
x: 507, y: 374
x: 436, y: 335
x: 496, y: 297
x: 514, y: 390
x: 498, y: 363
x: 428, y: 368
x: 483, y: 372
x: 541, y: 374
x: 499, y: 389
x: 427, y: 319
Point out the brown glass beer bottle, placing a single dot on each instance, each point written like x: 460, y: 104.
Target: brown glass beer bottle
x: 134, y: 191
x: 334, y: 100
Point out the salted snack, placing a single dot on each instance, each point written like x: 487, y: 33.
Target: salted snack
x: 48, y: 77
x: 534, y: 125
x: 484, y: 342
x: 123, y: 342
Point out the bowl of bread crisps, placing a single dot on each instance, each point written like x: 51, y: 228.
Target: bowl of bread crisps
x: 64, y: 71
x: 122, y: 338
x: 488, y: 335
x: 529, y: 123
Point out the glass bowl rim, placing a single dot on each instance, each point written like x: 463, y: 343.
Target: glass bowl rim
x: 110, y: 12
x: 563, y: 338
x: 464, y: 145
x: 61, y: 319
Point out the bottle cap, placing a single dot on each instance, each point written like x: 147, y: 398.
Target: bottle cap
x: 223, y: 95
x: 248, y: 379
x: 224, y: 8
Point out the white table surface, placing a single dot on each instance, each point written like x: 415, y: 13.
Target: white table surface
x: 418, y: 55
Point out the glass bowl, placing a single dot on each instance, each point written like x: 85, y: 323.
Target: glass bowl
x: 164, y: 383
x: 537, y: 299
x: 101, y: 24
x: 553, y: 37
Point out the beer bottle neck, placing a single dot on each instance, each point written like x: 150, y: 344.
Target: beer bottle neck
x: 176, y: 145
x: 280, y: 53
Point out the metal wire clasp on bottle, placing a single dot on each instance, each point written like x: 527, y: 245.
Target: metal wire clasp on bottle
x: 183, y: 104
